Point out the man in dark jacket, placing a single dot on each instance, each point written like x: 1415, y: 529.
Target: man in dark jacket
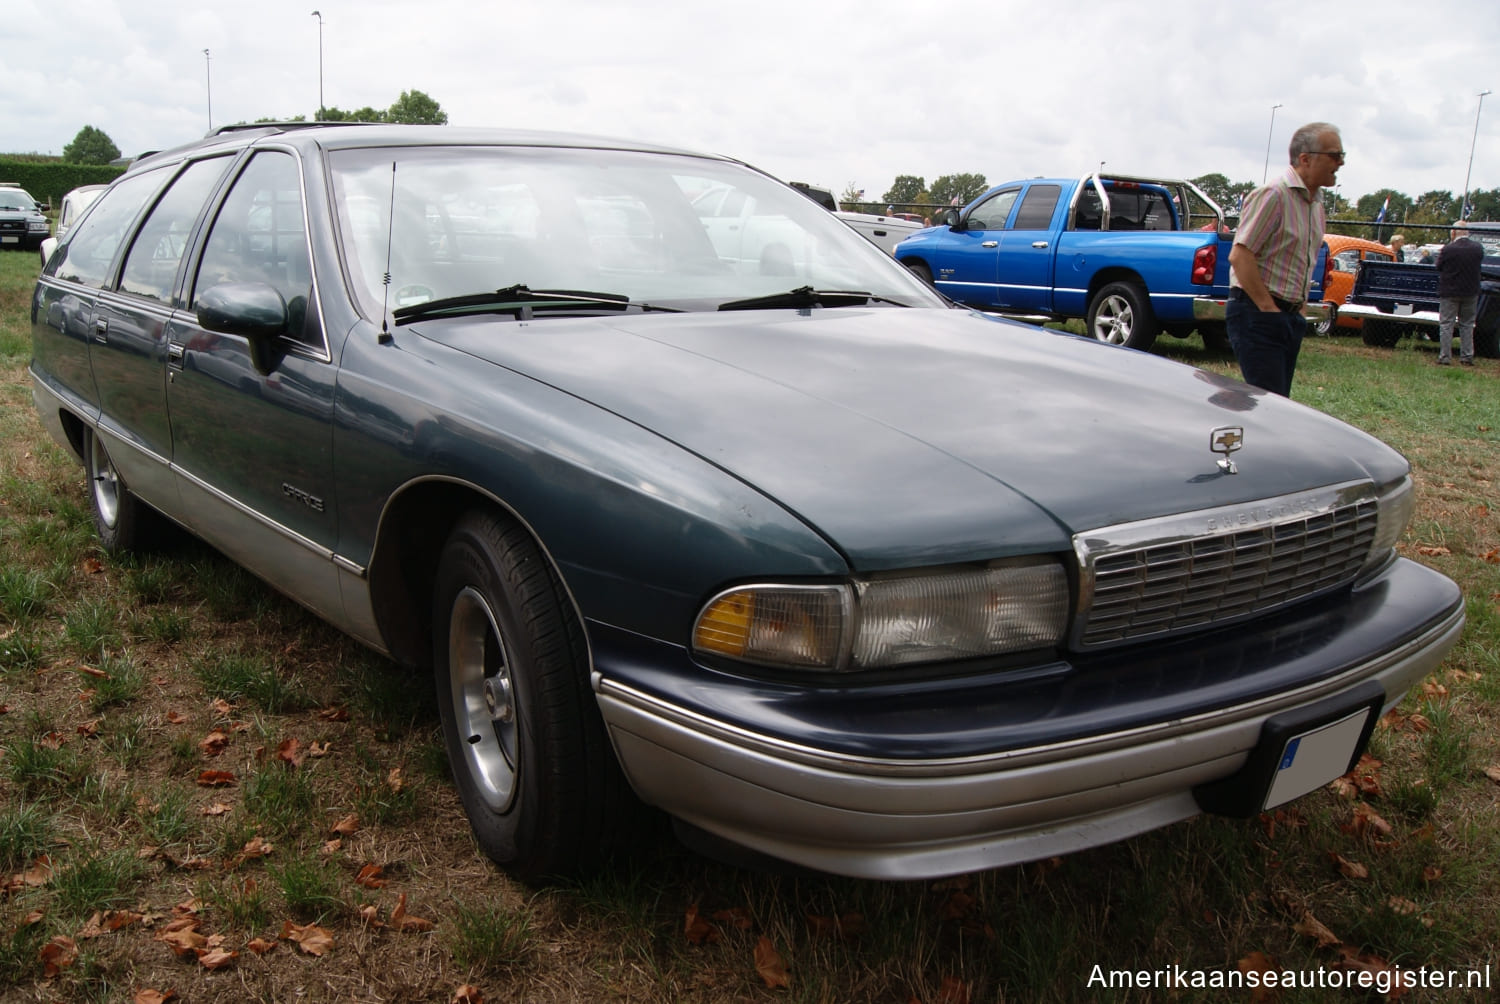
x: 1458, y: 295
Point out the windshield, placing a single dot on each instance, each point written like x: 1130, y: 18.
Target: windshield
x: 15, y: 198
x: 675, y: 231
x: 1488, y: 235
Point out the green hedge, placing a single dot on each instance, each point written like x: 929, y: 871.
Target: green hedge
x: 49, y: 182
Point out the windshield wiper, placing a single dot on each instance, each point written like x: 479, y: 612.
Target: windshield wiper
x: 806, y: 296
x: 520, y: 300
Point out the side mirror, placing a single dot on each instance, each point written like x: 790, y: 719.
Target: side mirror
x: 950, y: 218
x: 252, y: 310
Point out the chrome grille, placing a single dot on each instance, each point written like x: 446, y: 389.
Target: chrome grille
x: 1163, y: 577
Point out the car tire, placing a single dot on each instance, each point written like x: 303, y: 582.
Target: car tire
x: 1121, y: 314
x: 525, y: 740
x: 1380, y: 334
x: 1487, y: 341
x: 124, y: 523
x: 920, y: 270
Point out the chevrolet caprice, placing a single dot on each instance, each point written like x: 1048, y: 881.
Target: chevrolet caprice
x: 755, y: 529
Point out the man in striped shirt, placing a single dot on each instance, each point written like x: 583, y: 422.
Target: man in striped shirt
x: 1271, y: 263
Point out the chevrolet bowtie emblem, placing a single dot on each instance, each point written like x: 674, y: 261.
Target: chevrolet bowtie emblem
x: 1226, y: 440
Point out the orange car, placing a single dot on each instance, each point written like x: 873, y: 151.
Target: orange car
x: 1344, y: 256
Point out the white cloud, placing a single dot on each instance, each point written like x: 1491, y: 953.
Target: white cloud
x: 824, y: 91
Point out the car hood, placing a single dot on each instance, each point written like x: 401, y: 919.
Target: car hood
x: 921, y: 436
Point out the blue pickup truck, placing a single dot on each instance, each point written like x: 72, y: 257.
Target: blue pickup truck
x: 1128, y: 254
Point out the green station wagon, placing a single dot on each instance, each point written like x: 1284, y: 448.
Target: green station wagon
x: 754, y: 528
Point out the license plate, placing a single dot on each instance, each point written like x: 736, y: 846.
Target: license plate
x: 1312, y: 759
x: 7, y: 239
x: 1403, y: 309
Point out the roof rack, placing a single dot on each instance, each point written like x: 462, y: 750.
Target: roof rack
x: 283, y: 126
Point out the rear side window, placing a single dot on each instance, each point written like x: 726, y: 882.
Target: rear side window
x: 151, y: 265
x: 1036, y: 208
x: 90, y: 248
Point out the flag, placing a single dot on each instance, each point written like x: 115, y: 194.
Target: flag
x: 1239, y: 205
x: 1380, y: 216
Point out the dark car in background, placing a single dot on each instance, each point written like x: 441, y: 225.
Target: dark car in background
x: 22, y: 223
x: 762, y: 533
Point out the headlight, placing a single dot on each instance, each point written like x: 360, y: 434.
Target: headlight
x: 880, y: 623
x: 38, y: 225
x: 1397, y: 502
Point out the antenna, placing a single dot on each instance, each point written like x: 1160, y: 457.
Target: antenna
x: 385, y: 328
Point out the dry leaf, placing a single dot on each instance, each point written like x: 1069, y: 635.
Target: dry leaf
x: 953, y: 991
x: 214, y: 743
x: 1401, y: 906
x: 334, y: 714
x: 346, y: 827
x: 218, y: 809
x: 1492, y: 556
x: 393, y: 779
x: 1310, y: 927
x: 1434, y: 690
x: 153, y: 997
x: 770, y: 965
x: 221, y: 706
x: 1259, y: 962
x: 698, y: 930
x: 260, y: 946
x: 216, y: 779
x: 331, y: 846
x: 58, y: 954
x: 370, y: 914
x: 1493, y: 773
x: 182, y: 936
x: 216, y: 958
x: 1366, y: 821
x: 1348, y: 869
x: 468, y: 993
x: 369, y: 877
x: 1432, y: 551
x: 176, y: 717
x: 290, y: 752
x: 53, y: 740
x: 317, y: 749
x: 311, y: 938
x: 253, y: 849
x: 401, y: 922
x: 92, y: 566
x: 91, y: 671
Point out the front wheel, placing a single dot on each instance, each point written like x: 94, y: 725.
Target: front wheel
x: 1121, y: 314
x: 524, y: 737
x: 920, y: 270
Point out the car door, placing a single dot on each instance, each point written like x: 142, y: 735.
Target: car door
x: 1024, y: 261
x: 128, y: 347
x: 965, y: 265
x: 252, y: 445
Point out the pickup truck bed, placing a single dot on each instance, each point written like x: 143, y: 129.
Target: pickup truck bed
x: 1396, y: 298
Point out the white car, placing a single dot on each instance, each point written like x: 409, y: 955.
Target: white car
x: 73, y: 205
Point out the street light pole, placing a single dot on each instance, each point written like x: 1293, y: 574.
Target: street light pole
x: 1267, y: 169
x: 208, y: 78
x: 319, y: 16
x: 1463, y: 212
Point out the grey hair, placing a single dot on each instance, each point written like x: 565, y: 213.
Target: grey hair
x: 1306, y: 139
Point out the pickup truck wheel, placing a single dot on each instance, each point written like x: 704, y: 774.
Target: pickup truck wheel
x: 919, y: 270
x: 1380, y: 333
x: 1215, y: 336
x: 525, y: 741
x: 1487, y: 341
x: 1120, y: 314
x: 124, y: 522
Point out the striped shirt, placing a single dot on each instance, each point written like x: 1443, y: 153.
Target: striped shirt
x: 1282, y: 224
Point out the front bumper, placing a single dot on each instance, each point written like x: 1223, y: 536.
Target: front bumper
x: 943, y: 777
x: 1422, y: 318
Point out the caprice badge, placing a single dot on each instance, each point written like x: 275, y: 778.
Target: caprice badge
x: 1226, y: 439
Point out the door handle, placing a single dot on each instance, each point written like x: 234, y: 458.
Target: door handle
x: 990, y: 244
x: 101, y: 331
x: 1038, y: 244
x: 174, y: 356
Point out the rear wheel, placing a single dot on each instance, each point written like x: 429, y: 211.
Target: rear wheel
x: 124, y: 522
x: 1121, y: 314
x: 1381, y: 334
x: 524, y: 737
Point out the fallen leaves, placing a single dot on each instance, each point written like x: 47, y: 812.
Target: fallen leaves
x: 214, y: 743
x: 770, y: 965
x: 311, y: 938
x: 216, y: 779
x: 57, y: 955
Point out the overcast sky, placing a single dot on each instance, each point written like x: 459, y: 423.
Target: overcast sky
x: 831, y: 92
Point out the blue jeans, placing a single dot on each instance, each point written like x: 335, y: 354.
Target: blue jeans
x: 1265, y: 343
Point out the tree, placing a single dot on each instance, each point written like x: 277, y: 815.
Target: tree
x: 416, y: 108
x: 365, y: 114
x: 90, y: 146
x: 1223, y: 191
x: 963, y: 187
x: 907, y: 188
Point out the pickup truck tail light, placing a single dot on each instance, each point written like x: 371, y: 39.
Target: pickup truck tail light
x: 1205, y: 261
